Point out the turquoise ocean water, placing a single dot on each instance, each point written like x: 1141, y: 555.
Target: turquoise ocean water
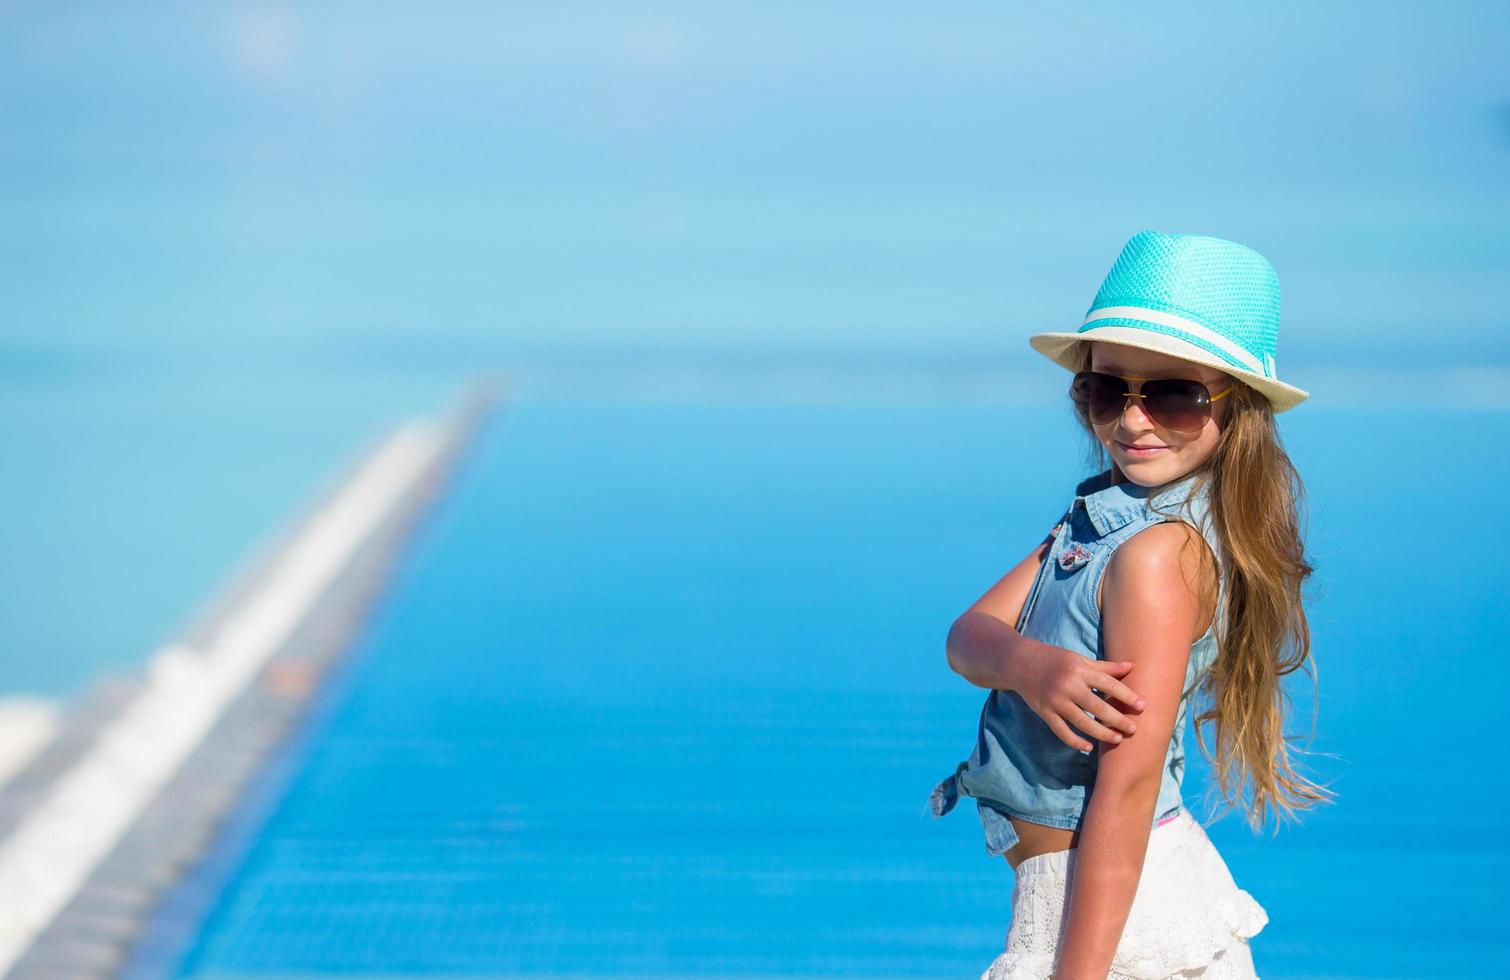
x: 664, y: 689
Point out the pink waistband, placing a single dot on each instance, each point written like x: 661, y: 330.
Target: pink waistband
x: 1167, y: 819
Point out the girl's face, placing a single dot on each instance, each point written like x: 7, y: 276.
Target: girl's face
x: 1176, y: 453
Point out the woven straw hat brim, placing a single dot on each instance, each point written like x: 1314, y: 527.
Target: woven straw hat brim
x: 1061, y: 348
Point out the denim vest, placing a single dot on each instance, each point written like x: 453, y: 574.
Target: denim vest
x: 1019, y: 766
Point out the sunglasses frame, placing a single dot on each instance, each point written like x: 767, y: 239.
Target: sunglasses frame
x: 1136, y: 391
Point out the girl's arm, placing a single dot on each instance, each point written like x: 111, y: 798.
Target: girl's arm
x: 1154, y: 593
x: 1060, y: 685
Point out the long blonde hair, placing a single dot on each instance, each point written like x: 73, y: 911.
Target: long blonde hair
x: 1263, y: 635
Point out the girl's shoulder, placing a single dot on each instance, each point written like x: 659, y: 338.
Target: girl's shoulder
x: 1162, y: 548
x: 1180, y: 520
x: 1156, y: 530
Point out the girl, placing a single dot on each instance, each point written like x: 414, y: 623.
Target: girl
x: 1177, y: 568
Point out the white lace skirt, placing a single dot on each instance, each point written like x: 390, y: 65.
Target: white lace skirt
x: 1188, y: 918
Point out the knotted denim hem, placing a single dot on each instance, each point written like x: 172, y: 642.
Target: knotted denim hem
x: 1001, y: 836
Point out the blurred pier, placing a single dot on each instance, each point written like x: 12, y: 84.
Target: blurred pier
x: 106, y: 803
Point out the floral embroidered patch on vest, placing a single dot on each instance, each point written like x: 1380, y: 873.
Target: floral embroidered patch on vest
x: 1073, y: 557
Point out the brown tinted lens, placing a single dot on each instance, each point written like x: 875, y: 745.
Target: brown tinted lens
x: 1103, y: 395
x: 1177, y: 404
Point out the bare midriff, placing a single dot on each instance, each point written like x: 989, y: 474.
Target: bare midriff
x: 1036, y: 839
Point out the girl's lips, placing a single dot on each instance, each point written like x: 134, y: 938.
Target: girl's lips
x: 1136, y: 451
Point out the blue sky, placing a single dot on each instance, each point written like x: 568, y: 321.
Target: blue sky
x: 357, y: 178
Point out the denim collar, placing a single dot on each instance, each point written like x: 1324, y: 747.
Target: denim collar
x: 1113, y: 505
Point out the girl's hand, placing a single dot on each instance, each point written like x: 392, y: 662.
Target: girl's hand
x: 1058, y: 684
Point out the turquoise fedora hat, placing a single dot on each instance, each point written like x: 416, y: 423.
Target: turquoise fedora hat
x: 1194, y: 297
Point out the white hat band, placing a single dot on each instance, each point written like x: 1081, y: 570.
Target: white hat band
x: 1188, y: 326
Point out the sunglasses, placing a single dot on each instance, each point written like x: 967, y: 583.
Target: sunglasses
x: 1176, y: 404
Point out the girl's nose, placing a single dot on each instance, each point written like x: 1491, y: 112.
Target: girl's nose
x: 1133, y: 416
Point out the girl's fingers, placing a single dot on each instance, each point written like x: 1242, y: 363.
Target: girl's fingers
x: 1097, y: 730
x: 1105, y: 715
x: 1117, y: 689
x: 1057, y: 725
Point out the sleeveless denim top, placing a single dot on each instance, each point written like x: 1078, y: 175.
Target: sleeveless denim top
x: 1019, y: 766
